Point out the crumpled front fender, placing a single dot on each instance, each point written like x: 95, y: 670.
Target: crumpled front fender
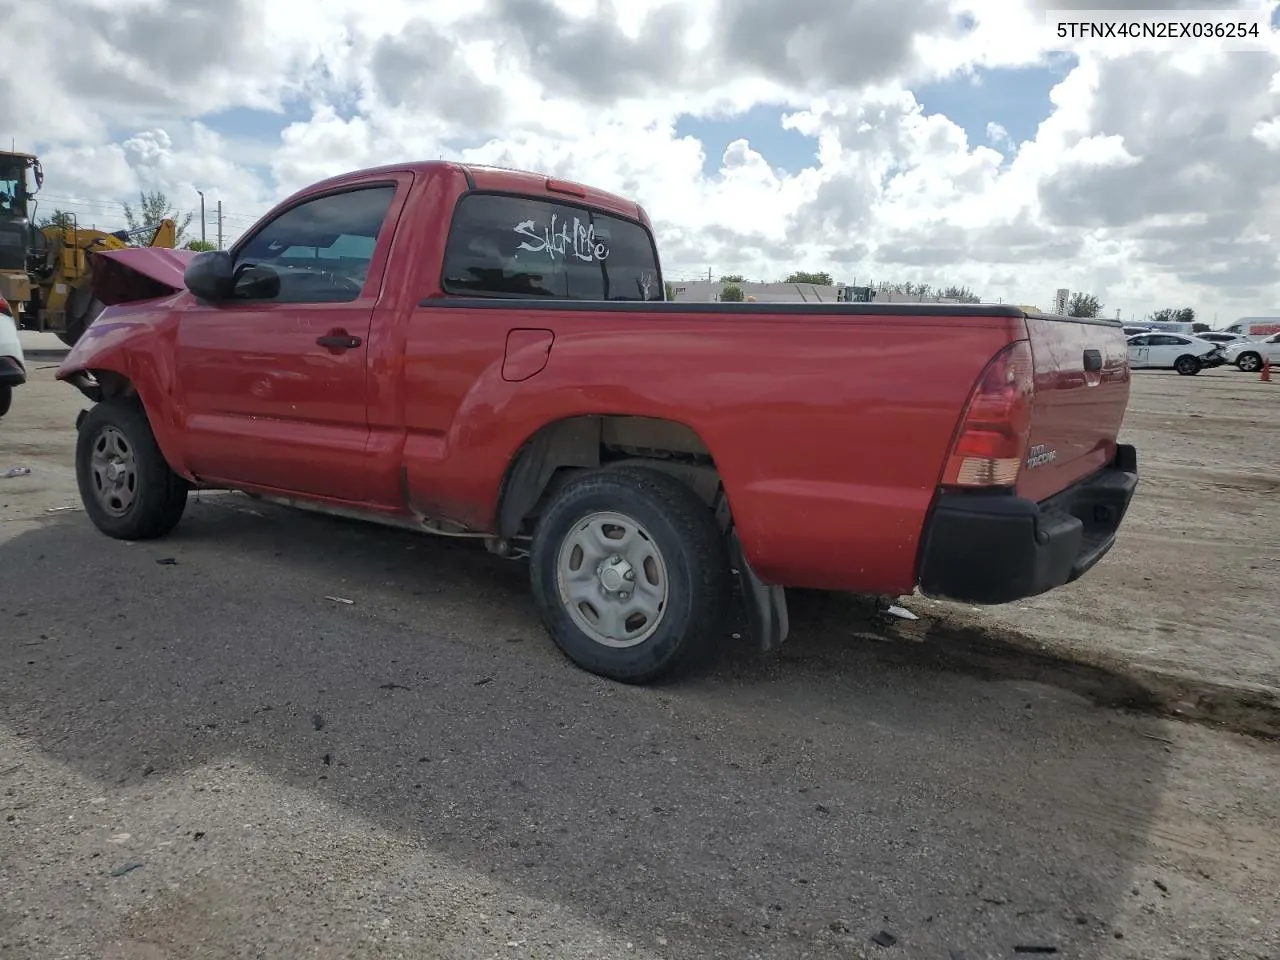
x: 129, y: 351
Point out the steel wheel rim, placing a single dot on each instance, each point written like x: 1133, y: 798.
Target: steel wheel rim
x: 612, y: 579
x: 114, y: 470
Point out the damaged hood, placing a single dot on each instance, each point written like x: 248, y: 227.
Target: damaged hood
x: 138, y: 273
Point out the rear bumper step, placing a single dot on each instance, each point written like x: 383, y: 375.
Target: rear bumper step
x: 988, y: 547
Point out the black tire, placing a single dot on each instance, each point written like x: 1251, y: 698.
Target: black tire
x: 686, y: 536
x: 159, y: 496
x: 1249, y: 362
x: 1187, y: 365
x: 6, y: 399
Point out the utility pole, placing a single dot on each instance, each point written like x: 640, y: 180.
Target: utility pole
x: 202, y: 238
x: 219, y: 224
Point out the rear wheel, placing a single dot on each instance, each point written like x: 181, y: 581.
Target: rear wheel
x: 6, y: 399
x: 125, y: 484
x: 1187, y: 365
x: 630, y: 574
x: 1249, y: 362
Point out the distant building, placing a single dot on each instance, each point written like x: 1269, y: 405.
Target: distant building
x: 708, y: 291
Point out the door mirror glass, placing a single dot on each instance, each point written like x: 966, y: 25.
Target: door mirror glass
x: 210, y: 275
x: 256, y: 281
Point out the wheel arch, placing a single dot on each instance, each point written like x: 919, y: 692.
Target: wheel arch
x: 593, y: 440
x: 102, y: 383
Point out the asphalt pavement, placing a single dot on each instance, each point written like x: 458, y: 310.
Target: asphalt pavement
x: 207, y: 751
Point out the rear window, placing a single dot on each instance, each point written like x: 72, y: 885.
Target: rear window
x: 501, y: 246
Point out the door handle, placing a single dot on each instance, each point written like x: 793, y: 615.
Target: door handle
x: 1092, y: 361
x: 338, y: 341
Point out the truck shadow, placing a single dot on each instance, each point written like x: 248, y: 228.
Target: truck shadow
x: 790, y: 805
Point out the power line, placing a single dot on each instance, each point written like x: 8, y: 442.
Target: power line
x: 117, y: 206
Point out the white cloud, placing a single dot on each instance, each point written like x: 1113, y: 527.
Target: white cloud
x: 1152, y: 180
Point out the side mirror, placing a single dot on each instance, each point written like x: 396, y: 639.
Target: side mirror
x: 210, y: 275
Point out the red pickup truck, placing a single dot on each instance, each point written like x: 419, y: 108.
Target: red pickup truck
x: 478, y: 352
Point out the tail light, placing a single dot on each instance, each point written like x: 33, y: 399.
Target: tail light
x: 4, y: 307
x: 992, y: 441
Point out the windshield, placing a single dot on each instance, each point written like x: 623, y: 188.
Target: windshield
x: 13, y: 186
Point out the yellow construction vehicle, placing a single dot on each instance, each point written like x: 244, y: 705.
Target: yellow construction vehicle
x: 61, y: 274
x: 15, y: 227
x: 46, y: 274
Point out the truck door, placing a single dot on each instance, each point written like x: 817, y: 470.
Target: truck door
x: 1166, y: 348
x: 1139, y: 351
x: 274, y: 380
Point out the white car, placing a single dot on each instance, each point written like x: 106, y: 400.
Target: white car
x: 1221, y: 337
x: 1173, y: 351
x: 13, y: 365
x: 1249, y: 354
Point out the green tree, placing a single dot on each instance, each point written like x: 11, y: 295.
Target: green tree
x: 733, y: 278
x: 1170, y: 315
x: 59, y: 218
x: 805, y: 276
x: 200, y: 246
x: 732, y: 294
x: 963, y: 294
x: 907, y: 288
x: 1200, y: 328
x: 1084, y: 305
x: 152, y: 208
x: 670, y: 290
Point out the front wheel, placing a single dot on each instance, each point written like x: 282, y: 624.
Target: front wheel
x: 1249, y: 362
x: 6, y: 399
x: 630, y: 574
x: 125, y: 484
x: 1188, y: 366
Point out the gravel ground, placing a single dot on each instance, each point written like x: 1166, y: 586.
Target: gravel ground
x: 203, y: 757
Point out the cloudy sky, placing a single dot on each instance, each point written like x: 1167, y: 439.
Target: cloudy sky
x: 938, y: 141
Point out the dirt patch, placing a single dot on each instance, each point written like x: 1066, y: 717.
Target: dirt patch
x: 1187, y: 605
x: 824, y: 624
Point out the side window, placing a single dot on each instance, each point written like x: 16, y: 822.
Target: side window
x: 320, y: 250
x: 1140, y: 342
x: 1165, y: 340
x: 501, y: 246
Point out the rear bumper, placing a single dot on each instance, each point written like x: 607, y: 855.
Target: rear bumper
x: 996, y: 547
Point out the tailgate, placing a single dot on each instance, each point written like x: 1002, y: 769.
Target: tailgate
x: 1081, y: 392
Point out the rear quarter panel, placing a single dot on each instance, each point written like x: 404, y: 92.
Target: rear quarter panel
x: 1077, y: 414
x: 829, y: 433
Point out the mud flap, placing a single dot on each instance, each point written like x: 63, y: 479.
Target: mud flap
x: 766, y: 605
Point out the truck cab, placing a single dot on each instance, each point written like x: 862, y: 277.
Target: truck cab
x: 15, y: 223
x: 16, y: 234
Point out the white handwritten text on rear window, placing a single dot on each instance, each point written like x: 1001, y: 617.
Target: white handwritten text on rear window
x: 560, y: 239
